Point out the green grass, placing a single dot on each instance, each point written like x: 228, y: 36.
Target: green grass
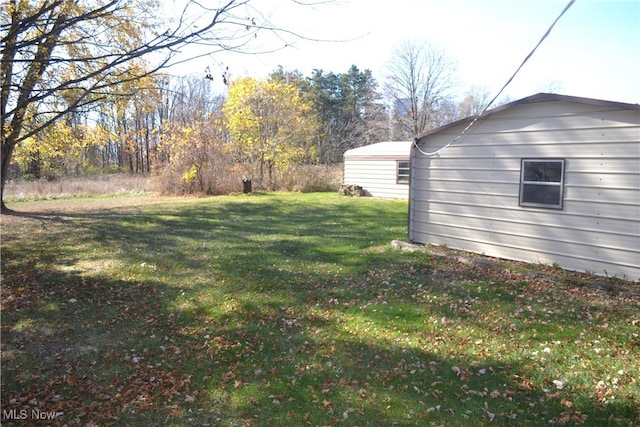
x: 292, y: 309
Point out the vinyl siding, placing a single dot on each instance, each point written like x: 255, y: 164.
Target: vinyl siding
x: 376, y: 177
x: 374, y: 168
x: 467, y: 196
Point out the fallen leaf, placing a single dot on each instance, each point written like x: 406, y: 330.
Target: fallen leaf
x: 489, y: 414
x: 559, y: 384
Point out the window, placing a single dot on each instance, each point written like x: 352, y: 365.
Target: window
x: 542, y: 183
x: 402, y: 173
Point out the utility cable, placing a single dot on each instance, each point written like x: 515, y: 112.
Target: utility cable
x: 475, y: 119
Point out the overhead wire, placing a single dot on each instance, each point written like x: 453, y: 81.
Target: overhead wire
x: 475, y: 119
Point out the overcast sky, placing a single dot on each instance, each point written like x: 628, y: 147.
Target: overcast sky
x: 593, y: 51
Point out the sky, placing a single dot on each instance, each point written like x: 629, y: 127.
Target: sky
x: 593, y: 51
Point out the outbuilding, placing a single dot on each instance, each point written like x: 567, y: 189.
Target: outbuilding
x: 549, y: 178
x: 381, y: 169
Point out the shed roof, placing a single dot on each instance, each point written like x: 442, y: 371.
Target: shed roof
x: 387, y: 150
x: 540, y: 97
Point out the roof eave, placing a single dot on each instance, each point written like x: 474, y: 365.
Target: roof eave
x: 539, y: 97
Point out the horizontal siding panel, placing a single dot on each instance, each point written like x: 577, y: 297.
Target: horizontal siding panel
x: 558, y: 231
x: 546, y: 110
x: 499, y: 195
x: 605, y: 200
x: 481, y: 163
x: 558, y: 108
x: 607, y: 121
x: 612, y: 165
x: 619, y: 179
x: 628, y: 166
x: 605, y: 209
x: 539, y: 244
x: 597, y: 221
x: 371, y: 165
x: 602, y: 195
x: 625, y: 178
x: 621, y: 264
x: 609, y: 191
x: 515, y: 137
x: 376, y: 177
x: 586, y: 150
x: 467, y: 186
x: 357, y: 172
x: 545, y: 247
x: 475, y: 175
x: 617, y: 166
x: 599, y: 165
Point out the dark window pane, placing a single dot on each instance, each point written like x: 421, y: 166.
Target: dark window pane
x: 541, y: 194
x: 543, y: 171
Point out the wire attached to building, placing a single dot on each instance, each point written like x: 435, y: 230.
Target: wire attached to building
x: 475, y: 119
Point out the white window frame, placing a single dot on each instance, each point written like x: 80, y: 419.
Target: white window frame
x: 542, y: 185
x: 404, y: 177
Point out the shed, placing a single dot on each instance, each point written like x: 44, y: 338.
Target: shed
x: 381, y: 169
x: 549, y: 178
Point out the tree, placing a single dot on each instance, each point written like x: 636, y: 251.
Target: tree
x: 475, y: 100
x: 191, y: 156
x: 130, y: 121
x: 349, y: 111
x: 63, y: 56
x: 419, y: 80
x: 270, y: 126
x: 48, y: 159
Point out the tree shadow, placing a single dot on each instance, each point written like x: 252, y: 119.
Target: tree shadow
x: 222, y: 314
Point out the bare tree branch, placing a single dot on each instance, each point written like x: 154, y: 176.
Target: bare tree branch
x: 420, y: 78
x: 82, y: 52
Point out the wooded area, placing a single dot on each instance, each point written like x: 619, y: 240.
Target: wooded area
x: 80, y: 96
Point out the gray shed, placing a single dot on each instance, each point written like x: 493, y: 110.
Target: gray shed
x: 381, y: 169
x: 549, y: 178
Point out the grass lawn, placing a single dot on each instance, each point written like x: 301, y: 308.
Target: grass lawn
x: 291, y: 310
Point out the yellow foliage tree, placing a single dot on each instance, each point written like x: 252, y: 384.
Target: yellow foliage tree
x: 60, y: 149
x: 47, y: 150
x: 271, y: 126
x: 62, y: 57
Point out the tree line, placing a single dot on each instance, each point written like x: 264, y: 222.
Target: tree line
x: 79, y: 96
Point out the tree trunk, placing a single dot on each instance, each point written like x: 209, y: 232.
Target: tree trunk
x: 10, y: 136
x: 7, y: 151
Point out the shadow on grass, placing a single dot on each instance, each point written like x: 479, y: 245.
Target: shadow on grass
x: 261, y: 310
